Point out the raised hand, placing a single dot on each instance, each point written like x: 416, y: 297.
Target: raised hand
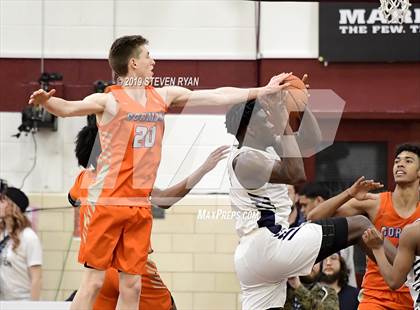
x: 277, y: 80
x: 40, y: 97
x: 361, y: 188
x: 274, y: 107
x: 304, y: 79
x: 373, y: 238
x: 214, y: 157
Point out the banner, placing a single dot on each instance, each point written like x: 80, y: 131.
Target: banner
x: 358, y: 32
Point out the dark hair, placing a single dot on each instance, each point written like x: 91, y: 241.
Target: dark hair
x: 87, y: 146
x: 408, y: 147
x: 313, y: 190
x: 342, y: 276
x: 238, y: 117
x: 122, y: 50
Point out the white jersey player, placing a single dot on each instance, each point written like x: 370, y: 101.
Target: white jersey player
x: 269, y: 252
x: 406, y: 265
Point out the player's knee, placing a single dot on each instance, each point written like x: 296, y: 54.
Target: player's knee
x: 94, y: 285
x: 131, y: 287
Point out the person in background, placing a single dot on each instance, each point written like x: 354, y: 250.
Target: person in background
x: 311, y: 196
x: 295, y: 217
x: 335, y: 273
x: 20, y: 250
x: 306, y: 293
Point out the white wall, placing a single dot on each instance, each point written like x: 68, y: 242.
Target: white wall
x: 177, y: 29
x: 289, y: 30
x: 188, y: 140
x: 86, y: 29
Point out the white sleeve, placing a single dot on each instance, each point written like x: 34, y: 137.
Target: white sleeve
x: 33, y: 248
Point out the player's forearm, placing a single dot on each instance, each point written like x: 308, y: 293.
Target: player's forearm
x: 309, y: 136
x: 292, y: 163
x: 57, y: 106
x: 168, y: 197
x: 222, y: 96
x: 393, y: 279
x: 329, y: 207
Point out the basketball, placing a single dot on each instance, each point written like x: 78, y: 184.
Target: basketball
x: 296, y: 100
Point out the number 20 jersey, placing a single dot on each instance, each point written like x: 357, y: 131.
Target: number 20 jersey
x: 131, y: 145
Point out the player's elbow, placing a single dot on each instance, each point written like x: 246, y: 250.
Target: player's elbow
x: 300, y: 178
x: 394, y: 285
x: 297, y: 176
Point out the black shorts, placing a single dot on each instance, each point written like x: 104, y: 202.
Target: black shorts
x: 334, y: 236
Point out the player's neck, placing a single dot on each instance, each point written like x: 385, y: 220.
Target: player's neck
x: 132, y: 81
x: 406, y: 196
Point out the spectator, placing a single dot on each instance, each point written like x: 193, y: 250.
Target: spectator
x: 336, y: 274
x: 306, y: 293
x: 295, y: 217
x: 312, y: 195
x: 20, y: 250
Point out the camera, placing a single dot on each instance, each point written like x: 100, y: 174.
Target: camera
x: 34, y: 117
x: 46, y: 78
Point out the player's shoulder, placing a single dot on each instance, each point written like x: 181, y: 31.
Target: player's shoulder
x: 100, y: 98
x: 249, y: 156
x: 250, y: 161
x: 251, y: 169
x: 173, y: 93
x: 412, y: 229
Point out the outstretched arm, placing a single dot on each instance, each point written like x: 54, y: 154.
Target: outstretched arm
x: 353, y: 201
x: 180, y: 96
x: 395, y: 275
x: 168, y: 197
x: 94, y: 103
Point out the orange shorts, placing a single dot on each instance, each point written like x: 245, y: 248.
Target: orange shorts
x: 116, y: 237
x: 385, y: 300
x: 154, y: 294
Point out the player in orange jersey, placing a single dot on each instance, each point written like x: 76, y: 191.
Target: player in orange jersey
x: 390, y: 212
x: 406, y: 266
x: 131, y: 122
x: 154, y: 294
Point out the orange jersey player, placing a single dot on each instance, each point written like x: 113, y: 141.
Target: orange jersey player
x: 390, y: 212
x: 154, y: 294
x: 406, y: 266
x: 130, y: 121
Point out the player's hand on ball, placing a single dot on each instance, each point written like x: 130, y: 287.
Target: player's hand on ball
x: 373, y: 238
x: 40, y: 97
x: 277, y: 80
x: 361, y: 188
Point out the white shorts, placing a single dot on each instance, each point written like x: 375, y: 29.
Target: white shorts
x: 264, y: 261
